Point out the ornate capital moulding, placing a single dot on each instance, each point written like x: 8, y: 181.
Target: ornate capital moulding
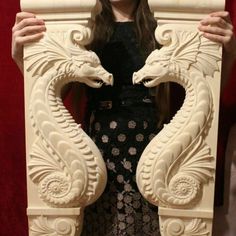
x: 65, y: 170
x: 177, y: 169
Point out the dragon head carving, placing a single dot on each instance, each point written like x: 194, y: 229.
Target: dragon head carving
x: 154, y: 71
x: 62, y: 54
x: 87, y: 69
x: 181, y: 50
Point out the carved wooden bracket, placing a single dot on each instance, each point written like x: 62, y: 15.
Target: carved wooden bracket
x: 65, y: 170
x: 177, y: 169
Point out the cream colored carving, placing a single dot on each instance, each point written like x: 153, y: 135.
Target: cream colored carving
x: 64, y: 160
x: 178, y: 161
x: 177, y: 169
x: 42, y: 226
x: 66, y: 171
x: 177, y: 227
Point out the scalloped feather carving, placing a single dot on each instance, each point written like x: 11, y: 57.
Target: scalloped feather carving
x: 198, y: 162
x: 42, y: 164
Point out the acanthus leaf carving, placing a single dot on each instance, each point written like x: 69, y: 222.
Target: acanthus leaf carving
x: 41, y: 226
x: 190, y: 173
x: 177, y: 227
x: 42, y: 163
x: 197, y: 162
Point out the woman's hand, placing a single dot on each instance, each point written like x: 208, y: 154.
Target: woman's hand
x: 27, y: 29
x: 218, y: 27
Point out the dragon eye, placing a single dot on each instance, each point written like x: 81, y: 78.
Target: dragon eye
x: 164, y: 64
x: 152, y: 63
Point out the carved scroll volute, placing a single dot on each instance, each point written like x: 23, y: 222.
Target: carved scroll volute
x: 176, y: 170
x: 65, y: 169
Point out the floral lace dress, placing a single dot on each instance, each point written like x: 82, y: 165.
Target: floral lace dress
x: 124, y: 121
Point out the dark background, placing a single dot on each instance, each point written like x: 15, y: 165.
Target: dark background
x: 13, y: 220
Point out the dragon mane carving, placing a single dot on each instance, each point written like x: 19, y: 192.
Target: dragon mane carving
x: 178, y: 161
x: 64, y: 162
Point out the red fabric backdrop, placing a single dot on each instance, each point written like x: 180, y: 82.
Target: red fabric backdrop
x: 13, y: 220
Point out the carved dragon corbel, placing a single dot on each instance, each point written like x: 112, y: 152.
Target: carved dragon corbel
x: 64, y: 162
x: 178, y: 161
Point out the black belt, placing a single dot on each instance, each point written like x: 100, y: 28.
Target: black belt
x: 110, y: 104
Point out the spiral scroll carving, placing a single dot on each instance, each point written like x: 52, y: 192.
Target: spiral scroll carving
x: 55, y: 187
x: 64, y: 162
x: 177, y: 162
x: 177, y: 227
x: 184, y: 187
x: 63, y: 226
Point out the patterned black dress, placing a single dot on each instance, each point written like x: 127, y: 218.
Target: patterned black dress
x: 124, y: 121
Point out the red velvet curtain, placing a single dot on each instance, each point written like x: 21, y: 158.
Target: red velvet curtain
x: 13, y: 220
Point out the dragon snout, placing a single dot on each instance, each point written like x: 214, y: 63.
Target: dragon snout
x: 105, y: 77
x: 151, y: 75
x: 137, y: 77
x: 108, y: 79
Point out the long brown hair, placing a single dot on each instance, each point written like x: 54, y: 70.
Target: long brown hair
x: 145, y: 25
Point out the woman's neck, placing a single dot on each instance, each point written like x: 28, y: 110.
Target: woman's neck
x: 123, y: 10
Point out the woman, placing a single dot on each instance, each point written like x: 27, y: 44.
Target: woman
x: 119, y: 126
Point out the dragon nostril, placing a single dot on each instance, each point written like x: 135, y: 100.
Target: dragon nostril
x: 110, y: 79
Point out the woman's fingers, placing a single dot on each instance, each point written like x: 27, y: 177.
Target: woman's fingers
x: 217, y: 38
x: 214, y: 29
x: 222, y: 14
x: 27, y: 29
x: 221, y: 19
x: 23, y: 15
x: 218, y: 27
x: 28, y: 22
x: 215, y: 21
x: 21, y: 40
